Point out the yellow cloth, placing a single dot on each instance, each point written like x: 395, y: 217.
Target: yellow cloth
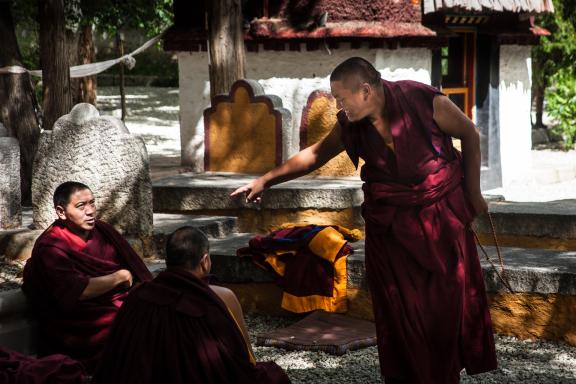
x: 326, y: 244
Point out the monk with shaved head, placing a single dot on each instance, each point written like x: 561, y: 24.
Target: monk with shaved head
x: 179, y: 329
x: 420, y: 196
x: 80, y: 272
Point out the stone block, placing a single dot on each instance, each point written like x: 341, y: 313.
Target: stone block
x: 100, y: 152
x: 318, y: 119
x: 540, y: 136
x: 10, y: 194
x: 246, y: 131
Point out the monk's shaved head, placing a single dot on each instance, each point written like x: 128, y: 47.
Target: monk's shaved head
x: 185, y: 247
x: 355, y: 71
x: 63, y: 192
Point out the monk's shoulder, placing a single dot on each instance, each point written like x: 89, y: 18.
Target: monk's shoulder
x: 416, y: 90
x: 223, y: 292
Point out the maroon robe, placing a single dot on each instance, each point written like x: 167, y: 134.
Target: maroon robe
x: 176, y: 330
x: 422, y: 267
x: 16, y: 368
x: 55, y: 276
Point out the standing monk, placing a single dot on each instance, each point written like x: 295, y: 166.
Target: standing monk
x: 420, y: 196
x: 80, y: 271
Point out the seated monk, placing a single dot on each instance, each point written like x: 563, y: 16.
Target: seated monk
x: 79, y: 274
x: 178, y: 329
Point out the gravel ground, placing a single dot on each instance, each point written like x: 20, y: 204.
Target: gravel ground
x: 10, y: 274
x: 527, y: 362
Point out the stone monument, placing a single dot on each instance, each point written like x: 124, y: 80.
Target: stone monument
x: 10, y: 194
x: 318, y: 119
x: 100, y: 152
x: 246, y: 131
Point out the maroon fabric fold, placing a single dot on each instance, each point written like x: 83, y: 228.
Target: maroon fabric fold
x: 305, y: 273
x: 422, y: 267
x: 16, y: 368
x: 176, y: 330
x: 56, y: 275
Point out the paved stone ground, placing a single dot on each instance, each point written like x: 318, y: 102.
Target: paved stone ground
x: 527, y: 362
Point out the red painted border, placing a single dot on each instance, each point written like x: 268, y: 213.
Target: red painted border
x: 253, y: 100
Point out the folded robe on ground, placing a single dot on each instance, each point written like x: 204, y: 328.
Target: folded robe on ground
x: 310, y: 262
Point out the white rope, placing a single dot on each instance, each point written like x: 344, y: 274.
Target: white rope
x: 92, y: 68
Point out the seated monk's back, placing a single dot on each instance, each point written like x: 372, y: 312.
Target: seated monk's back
x: 175, y: 329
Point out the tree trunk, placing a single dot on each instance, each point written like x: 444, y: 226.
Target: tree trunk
x: 539, y: 100
x: 54, y: 61
x: 226, y: 41
x: 120, y: 47
x: 72, y: 41
x: 87, y: 55
x: 18, y: 105
x: 81, y: 51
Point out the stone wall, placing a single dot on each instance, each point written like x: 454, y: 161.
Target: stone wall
x: 293, y: 76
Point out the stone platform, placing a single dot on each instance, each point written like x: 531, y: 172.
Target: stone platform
x: 17, y: 244
x: 319, y: 200
x: 550, y: 225
x: 323, y: 200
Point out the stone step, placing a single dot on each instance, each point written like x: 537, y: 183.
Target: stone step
x: 528, y: 270
x: 17, y: 244
x: 548, y: 225
x: 216, y: 227
x: 319, y: 200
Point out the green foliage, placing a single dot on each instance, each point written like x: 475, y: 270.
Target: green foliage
x: 558, y: 50
x: 112, y: 16
x: 561, y: 104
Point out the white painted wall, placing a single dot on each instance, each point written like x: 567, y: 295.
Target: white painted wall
x: 288, y: 74
x: 515, y: 125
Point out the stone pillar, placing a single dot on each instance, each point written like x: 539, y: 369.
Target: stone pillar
x: 10, y: 195
x: 100, y: 152
x: 515, y: 124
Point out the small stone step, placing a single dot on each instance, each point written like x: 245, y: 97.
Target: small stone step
x: 213, y: 226
x: 528, y: 270
x: 18, y: 244
x: 550, y: 225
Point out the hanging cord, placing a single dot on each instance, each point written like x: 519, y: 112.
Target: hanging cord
x: 502, y: 275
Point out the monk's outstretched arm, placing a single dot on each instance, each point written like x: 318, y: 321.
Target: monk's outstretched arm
x: 452, y: 121
x: 302, y: 163
x: 100, y: 285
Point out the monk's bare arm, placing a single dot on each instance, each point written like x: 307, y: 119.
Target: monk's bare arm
x: 452, y: 121
x: 100, y: 285
x: 305, y: 161
x: 231, y: 301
